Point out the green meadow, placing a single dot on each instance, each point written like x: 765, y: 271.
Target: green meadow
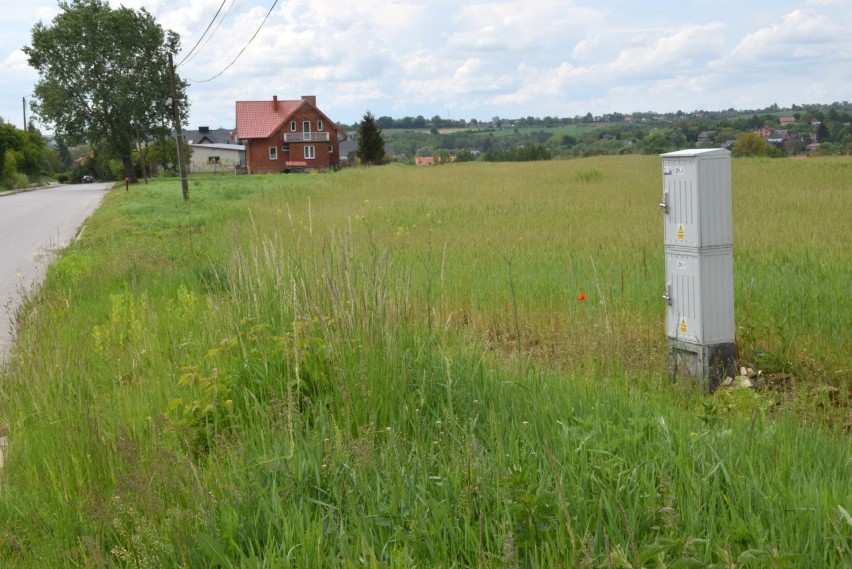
x: 456, y: 366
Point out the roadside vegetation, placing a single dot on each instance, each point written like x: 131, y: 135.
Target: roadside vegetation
x: 436, y: 367
x: 24, y: 157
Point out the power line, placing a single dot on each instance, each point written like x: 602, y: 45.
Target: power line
x: 242, y: 50
x: 204, y: 34
x: 191, y: 56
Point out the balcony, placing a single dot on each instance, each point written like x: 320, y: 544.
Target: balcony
x: 306, y: 137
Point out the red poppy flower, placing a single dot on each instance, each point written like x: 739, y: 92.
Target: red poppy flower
x: 581, y: 296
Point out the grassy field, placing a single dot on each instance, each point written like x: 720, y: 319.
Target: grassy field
x: 461, y: 366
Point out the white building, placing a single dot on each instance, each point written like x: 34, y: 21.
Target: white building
x: 216, y: 157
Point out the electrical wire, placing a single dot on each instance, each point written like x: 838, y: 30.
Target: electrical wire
x: 275, y: 3
x: 202, y: 35
x: 192, y: 56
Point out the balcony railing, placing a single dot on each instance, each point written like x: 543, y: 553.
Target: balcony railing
x: 306, y: 137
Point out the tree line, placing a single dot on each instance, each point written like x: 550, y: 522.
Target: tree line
x: 830, y: 127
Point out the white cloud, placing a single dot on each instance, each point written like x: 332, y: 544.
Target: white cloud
x: 799, y: 34
x: 581, y: 50
x: 484, y: 58
x: 689, y: 47
x: 508, y: 26
x: 16, y: 62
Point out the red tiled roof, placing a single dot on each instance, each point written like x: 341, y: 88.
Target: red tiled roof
x: 258, y: 119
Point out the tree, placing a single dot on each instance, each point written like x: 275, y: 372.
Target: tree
x: 465, y: 155
x: 663, y: 140
x: 104, y: 77
x: 164, y: 153
x: 64, y: 154
x: 794, y: 146
x: 750, y: 144
x: 24, y: 152
x: 371, y: 143
x: 10, y: 140
x: 568, y: 140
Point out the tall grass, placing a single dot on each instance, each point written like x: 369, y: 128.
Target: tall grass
x: 391, y: 367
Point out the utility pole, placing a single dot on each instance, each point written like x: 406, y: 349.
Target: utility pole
x: 24, y: 101
x: 178, y: 134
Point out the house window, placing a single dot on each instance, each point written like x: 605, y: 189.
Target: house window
x: 306, y: 126
x: 292, y: 126
x: 330, y: 149
x: 310, y: 152
x: 285, y: 148
x: 212, y: 159
x: 273, y: 153
x: 319, y: 124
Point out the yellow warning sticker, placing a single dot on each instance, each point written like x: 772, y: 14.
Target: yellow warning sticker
x: 683, y: 326
x: 680, y: 231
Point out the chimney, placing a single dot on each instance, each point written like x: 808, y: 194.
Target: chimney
x: 312, y: 99
x: 275, y: 103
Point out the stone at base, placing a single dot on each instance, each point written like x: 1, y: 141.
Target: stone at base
x: 709, y: 365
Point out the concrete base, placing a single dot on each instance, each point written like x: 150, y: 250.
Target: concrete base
x: 709, y: 365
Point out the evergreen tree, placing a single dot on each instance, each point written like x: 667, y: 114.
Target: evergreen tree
x: 371, y: 143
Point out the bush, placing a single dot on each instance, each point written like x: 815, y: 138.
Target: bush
x: 62, y: 178
x: 20, y: 180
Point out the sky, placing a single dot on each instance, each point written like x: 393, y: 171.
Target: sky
x: 477, y: 59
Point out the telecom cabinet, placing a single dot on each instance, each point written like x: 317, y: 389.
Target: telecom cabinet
x: 697, y: 198
x: 699, y: 288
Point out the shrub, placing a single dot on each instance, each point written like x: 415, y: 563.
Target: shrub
x: 20, y: 180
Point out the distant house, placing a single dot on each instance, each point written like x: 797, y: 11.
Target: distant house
x: 778, y: 136
x: 786, y: 120
x: 206, y: 135
x: 763, y: 132
x: 705, y: 135
x: 424, y: 160
x: 212, y: 157
x: 287, y: 136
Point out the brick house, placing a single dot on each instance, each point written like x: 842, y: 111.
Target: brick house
x: 287, y: 136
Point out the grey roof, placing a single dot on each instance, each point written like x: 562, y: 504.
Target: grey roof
x: 205, y: 135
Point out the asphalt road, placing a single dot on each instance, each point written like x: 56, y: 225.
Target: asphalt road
x: 34, y: 225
